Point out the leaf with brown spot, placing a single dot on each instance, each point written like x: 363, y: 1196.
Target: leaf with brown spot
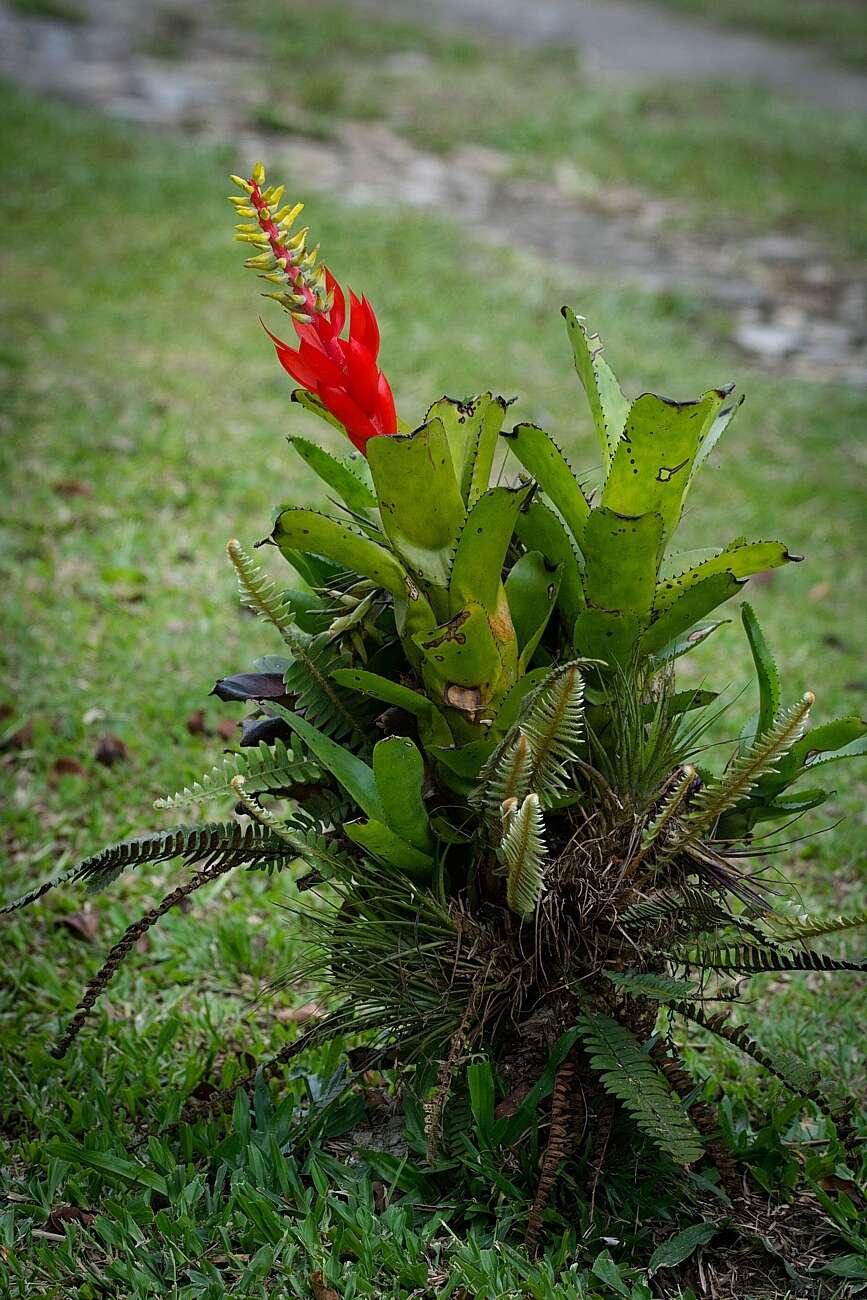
x: 83, y: 924
x: 321, y: 1289
x: 110, y: 749
x: 64, y: 766
x: 63, y: 1214
x: 196, y: 724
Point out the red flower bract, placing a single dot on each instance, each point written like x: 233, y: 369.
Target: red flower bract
x: 342, y: 372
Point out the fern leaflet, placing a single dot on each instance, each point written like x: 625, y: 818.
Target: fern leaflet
x: 753, y: 959
x: 265, y: 768
x: 522, y: 852
x: 629, y: 1074
x: 554, y: 727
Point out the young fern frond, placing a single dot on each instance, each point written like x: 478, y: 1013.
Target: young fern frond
x: 787, y: 929
x: 742, y: 774
x: 305, y: 842
x: 211, y: 844
x: 663, y: 819
x: 628, y: 1073
x: 643, y: 984
x: 510, y: 778
x: 554, y: 727
x: 259, y: 593
x: 263, y: 768
x: 309, y: 676
x: 522, y: 852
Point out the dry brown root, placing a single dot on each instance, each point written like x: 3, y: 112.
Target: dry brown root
x: 601, y: 1139
x: 704, y: 1118
x: 124, y: 946
x: 567, y: 1105
x: 433, y: 1111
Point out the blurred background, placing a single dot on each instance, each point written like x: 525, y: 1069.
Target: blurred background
x: 690, y: 175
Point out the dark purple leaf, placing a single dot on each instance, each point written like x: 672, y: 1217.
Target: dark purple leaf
x: 264, y: 731
x: 250, y: 686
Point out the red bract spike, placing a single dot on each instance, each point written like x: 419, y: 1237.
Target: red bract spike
x: 362, y: 325
x: 337, y: 315
x: 385, y: 406
x: 350, y: 415
x: 325, y: 370
x: 363, y: 377
x: 294, y: 366
x: 372, y: 327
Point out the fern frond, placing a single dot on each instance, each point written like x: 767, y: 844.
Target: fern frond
x: 211, y: 844
x: 788, y: 929
x: 522, y: 852
x: 509, y: 779
x: 308, y: 678
x: 259, y: 593
x: 263, y: 768
x: 554, y: 727
x: 659, y: 988
x: 753, y: 959
x: 628, y: 1073
x: 663, y: 819
x: 691, y: 908
x: 742, y: 774
x: 786, y: 1067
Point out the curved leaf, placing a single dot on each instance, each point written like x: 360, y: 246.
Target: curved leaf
x: 382, y: 843
x: 541, y: 530
x: 335, y: 473
x: 740, y: 558
x: 541, y: 457
x: 481, y: 550
x: 531, y: 590
x: 607, y: 404
x: 351, y: 772
x: 621, y: 554
x: 399, y: 770
x: 688, y: 609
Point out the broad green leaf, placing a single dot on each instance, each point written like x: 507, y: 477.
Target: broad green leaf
x: 608, y: 405
x: 353, y: 773
x: 857, y: 749
x: 718, y: 427
x: 767, y: 673
x: 829, y: 738
x: 510, y: 708
x: 471, y: 428
x: 681, y: 645
x: 335, y: 473
x: 541, y: 530
x: 481, y: 550
x: 531, y: 590
x: 480, y: 1082
x: 740, y: 558
x: 541, y: 457
x: 299, y: 529
x: 397, y: 695
x: 679, y: 1247
x: 788, y: 805
x: 693, y: 605
x: 463, y: 651
x: 464, y: 760
x: 621, y: 555
x: 419, y: 500
x: 399, y: 770
x: 650, y: 468
x: 382, y: 843
x: 610, y: 635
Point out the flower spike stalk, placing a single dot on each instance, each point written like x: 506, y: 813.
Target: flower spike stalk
x: 341, y: 372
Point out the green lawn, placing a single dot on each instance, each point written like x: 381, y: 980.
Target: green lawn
x: 143, y: 425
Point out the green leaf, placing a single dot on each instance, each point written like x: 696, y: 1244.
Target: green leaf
x: 607, y: 404
x: 607, y: 1271
x: 541, y: 457
x: 353, y: 773
x: 767, y: 673
x: 835, y: 737
x: 103, y: 1162
x: 609, y: 635
x: 381, y: 842
x: 651, y: 466
x: 679, y: 1247
x: 681, y: 645
x: 659, y: 988
x: 688, y: 609
x: 480, y: 1082
x: 531, y: 590
x: 399, y: 770
x: 740, y: 558
x: 718, y: 427
x: 509, y: 710
x: 317, y: 407
x: 335, y: 473
x: 298, y: 528
x: 399, y: 696
x: 481, y: 550
x: 541, y: 530
x: 464, y: 760
x: 462, y: 652
x: 629, y: 1074
x: 471, y: 428
x: 621, y: 555
x: 419, y: 500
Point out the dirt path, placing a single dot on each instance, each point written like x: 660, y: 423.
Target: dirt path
x: 790, y: 306
x: 637, y: 41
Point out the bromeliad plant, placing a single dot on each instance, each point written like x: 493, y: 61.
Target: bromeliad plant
x: 471, y: 740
